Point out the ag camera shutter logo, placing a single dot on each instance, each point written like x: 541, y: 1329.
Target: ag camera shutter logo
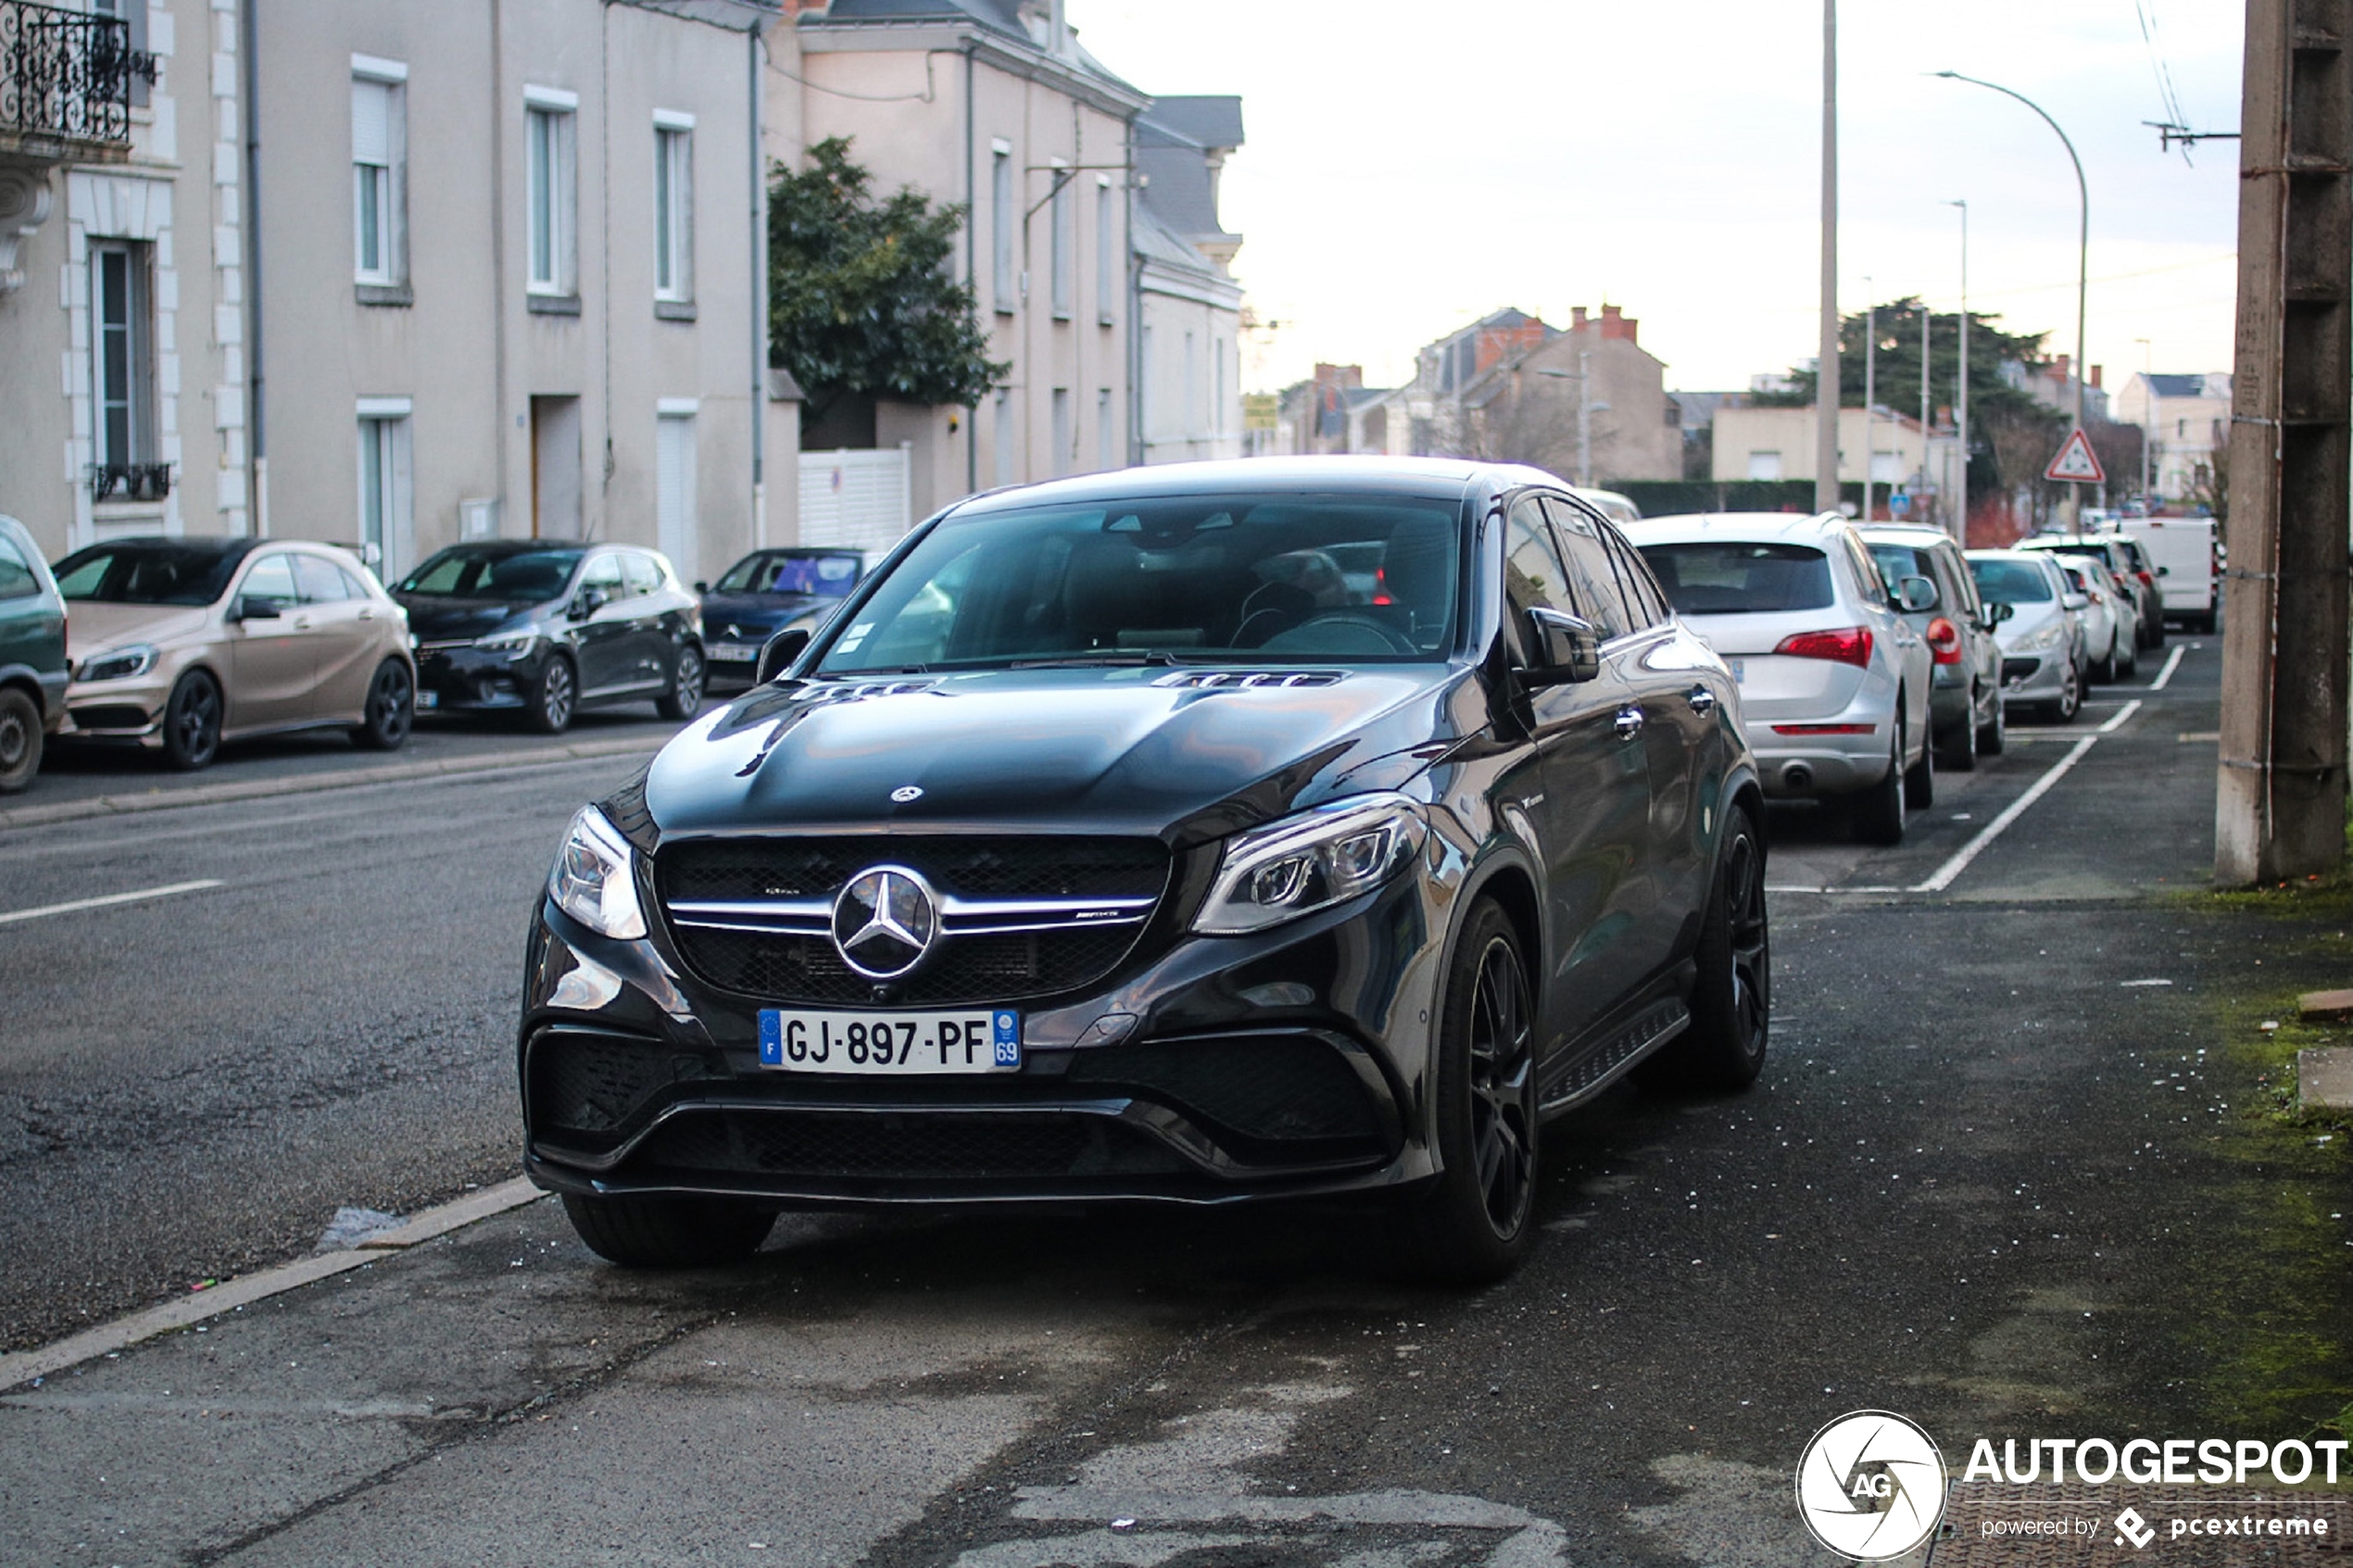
x: 1871, y: 1486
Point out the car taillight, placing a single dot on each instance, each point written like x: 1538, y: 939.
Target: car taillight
x: 1945, y: 640
x: 1848, y: 645
x: 2147, y: 581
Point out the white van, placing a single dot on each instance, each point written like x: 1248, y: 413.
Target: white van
x: 2182, y: 550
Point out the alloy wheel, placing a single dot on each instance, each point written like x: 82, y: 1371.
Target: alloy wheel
x: 1752, y: 943
x: 389, y: 704
x: 554, y: 696
x: 1501, y: 1065
x: 16, y: 740
x: 195, y: 723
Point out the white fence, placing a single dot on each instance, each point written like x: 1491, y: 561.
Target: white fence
x: 863, y: 500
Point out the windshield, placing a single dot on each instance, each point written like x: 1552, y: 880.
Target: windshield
x: 1293, y: 578
x: 1730, y: 577
x: 2011, y: 581
x: 147, y: 574
x: 827, y: 576
x: 462, y: 572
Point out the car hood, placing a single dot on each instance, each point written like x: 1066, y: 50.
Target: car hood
x: 435, y: 619
x: 757, y: 614
x: 1127, y: 750
x: 94, y: 626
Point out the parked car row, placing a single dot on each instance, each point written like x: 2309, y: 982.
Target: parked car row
x: 2067, y: 618
x: 180, y: 645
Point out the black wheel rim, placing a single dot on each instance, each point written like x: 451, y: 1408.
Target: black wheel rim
x: 16, y: 741
x: 559, y: 693
x: 388, y: 705
x: 1501, y: 1068
x: 198, y: 721
x: 1752, y: 943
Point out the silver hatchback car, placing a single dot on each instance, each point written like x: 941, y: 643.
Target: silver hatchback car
x: 1834, y: 681
x: 2042, y: 637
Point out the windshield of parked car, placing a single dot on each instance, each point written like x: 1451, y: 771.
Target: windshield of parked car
x: 2011, y: 581
x: 147, y: 574
x: 1294, y: 579
x: 526, y: 576
x: 792, y: 571
x: 1739, y: 577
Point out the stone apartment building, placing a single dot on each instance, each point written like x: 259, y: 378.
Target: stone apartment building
x: 2185, y: 418
x: 399, y: 275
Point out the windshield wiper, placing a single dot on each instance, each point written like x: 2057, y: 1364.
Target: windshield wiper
x: 1082, y: 660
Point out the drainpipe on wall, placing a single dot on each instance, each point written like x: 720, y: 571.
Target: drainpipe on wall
x: 1135, y: 308
x: 752, y: 42
x: 498, y: 256
x: 971, y: 269
x: 257, y: 448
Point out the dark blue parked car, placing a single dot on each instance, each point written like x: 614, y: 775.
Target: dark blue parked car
x: 755, y: 597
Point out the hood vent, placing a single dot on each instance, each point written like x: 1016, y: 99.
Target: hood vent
x: 858, y: 691
x: 1242, y: 678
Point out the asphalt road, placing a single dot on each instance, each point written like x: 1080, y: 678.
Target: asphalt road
x: 2001, y: 1174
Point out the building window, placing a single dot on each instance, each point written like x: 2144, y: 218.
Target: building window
x: 383, y: 484
x: 1764, y: 465
x: 1217, y: 386
x: 1065, y: 242
x: 1192, y: 416
x: 1065, y: 438
x: 121, y: 354
x: 1106, y: 432
x: 1000, y: 223
x: 134, y: 14
x: 1106, y: 251
x: 551, y: 190
x: 674, y: 207
x: 677, y: 521
x: 379, y: 170
x: 1004, y: 411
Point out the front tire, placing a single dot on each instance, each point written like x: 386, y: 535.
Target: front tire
x: 1478, y: 1220
x: 391, y: 710
x: 2071, y: 698
x: 192, y: 722
x: 1920, y: 781
x: 666, y: 1232
x: 556, y: 698
x: 1878, y: 813
x: 683, y: 699
x: 1732, y: 999
x: 21, y: 740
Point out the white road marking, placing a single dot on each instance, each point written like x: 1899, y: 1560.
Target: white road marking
x: 2128, y: 984
x: 2010, y: 814
x: 2122, y: 714
x: 12, y: 916
x: 2172, y: 662
x: 1794, y: 888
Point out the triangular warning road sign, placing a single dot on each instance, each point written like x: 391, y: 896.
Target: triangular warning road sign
x: 2077, y: 461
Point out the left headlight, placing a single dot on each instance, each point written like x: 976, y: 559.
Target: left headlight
x: 121, y: 664
x: 1311, y: 862
x: 514, y: 645
x: 594, y: 880
x: 2042, y: 638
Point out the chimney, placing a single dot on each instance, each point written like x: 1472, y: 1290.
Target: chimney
x: 2066, y: 364
x: 1058, y: 31
x: 1617, y: 324
x: 2095, y: 375
x: 1576, y: 318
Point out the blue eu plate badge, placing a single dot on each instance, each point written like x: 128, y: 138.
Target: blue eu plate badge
x: 1005, y: 1027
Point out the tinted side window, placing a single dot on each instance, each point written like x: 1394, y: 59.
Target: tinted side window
x: 1867, y: 573
x: 603, y: 572
x: 17, y: 579
x: 1532, y: 573
x: 273, y: 578
x: 1591, y: 572
x: 321, y: 582
x: 1643, y: 600
x: 644, y: 576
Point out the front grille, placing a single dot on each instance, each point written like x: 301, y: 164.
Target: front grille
x: 593, y: 1083
x: 110, y: 716
x: 1277, y: 1088
x: 2020, y: 669
x: 999, y: 966
x: 946, y: 1147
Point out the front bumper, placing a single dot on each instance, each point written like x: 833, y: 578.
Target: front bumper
x: 1280, y: 1065
x: 2034, y: 677
x: 123, y: 712
x: 463, y: 678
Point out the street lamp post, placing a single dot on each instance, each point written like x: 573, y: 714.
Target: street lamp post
x: 1586, y: 410
x: 1871, y: 386
x: 2148, y: 418
x: 1961, y: 414
x: 2083, y: 258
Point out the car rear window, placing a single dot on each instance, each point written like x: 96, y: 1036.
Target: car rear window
x: 2011, y: 581
x: 1728, y: 577
x: 147, y: 574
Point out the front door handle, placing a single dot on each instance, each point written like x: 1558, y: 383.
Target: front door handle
x: 1628, y: 722
x: 1701, y: 698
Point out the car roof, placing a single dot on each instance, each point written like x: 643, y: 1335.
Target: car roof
x: 1795, y: 528
x: 1903, y: 533
x: 2007, y: 555
x: 1434, y: 478
x: 225, y: 544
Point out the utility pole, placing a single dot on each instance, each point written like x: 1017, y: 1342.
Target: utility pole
x: 2148, y: 419
x: 1826, y: 360
x: 2281, y: 786
x: 1922, y: 484
x: 1871, y: 388
x: 1961, y: 413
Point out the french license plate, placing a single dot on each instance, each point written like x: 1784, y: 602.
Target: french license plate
x: 428, y: 700
x: 893, y: 1043
x: 1740, y: 669
x: 732, y: 653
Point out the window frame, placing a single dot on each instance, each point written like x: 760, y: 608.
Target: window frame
x: 391, y: 203
x: 138, y: 333
x: 551, y: 192
x: 1001, y: 221
x: 1064, y: 242
x: 674, y: 207
x: 384, y: 478
x: 1107, y: 250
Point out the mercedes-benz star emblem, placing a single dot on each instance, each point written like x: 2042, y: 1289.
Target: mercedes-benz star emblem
x: 885, y: 921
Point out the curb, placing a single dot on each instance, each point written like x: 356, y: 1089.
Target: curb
x: 308, y: 783
x: 23, y: 1366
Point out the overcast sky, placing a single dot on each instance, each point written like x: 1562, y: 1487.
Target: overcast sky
x: 1414, y: 164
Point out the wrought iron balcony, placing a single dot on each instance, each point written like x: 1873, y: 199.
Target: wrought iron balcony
x: 130, y: 482
x: 65, y: 83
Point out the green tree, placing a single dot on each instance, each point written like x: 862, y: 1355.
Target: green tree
x: 862, y: 299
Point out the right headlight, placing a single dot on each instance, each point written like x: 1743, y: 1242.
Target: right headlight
x: 594, y: 880
x: 1311, y: 862
x: 121, y: 664
x: 514, y: 645
x: 2044, y: 637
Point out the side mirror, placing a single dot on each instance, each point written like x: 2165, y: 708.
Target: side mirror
x: 1562, y: 649
x: 1996, y: 611
x: 1916, y: 594
x: 2076, y: 601
x: 251, y: 606
x: 702, y: 587
x: 778, y: 652
x: 2165, y: 571
x: 590, y: 601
